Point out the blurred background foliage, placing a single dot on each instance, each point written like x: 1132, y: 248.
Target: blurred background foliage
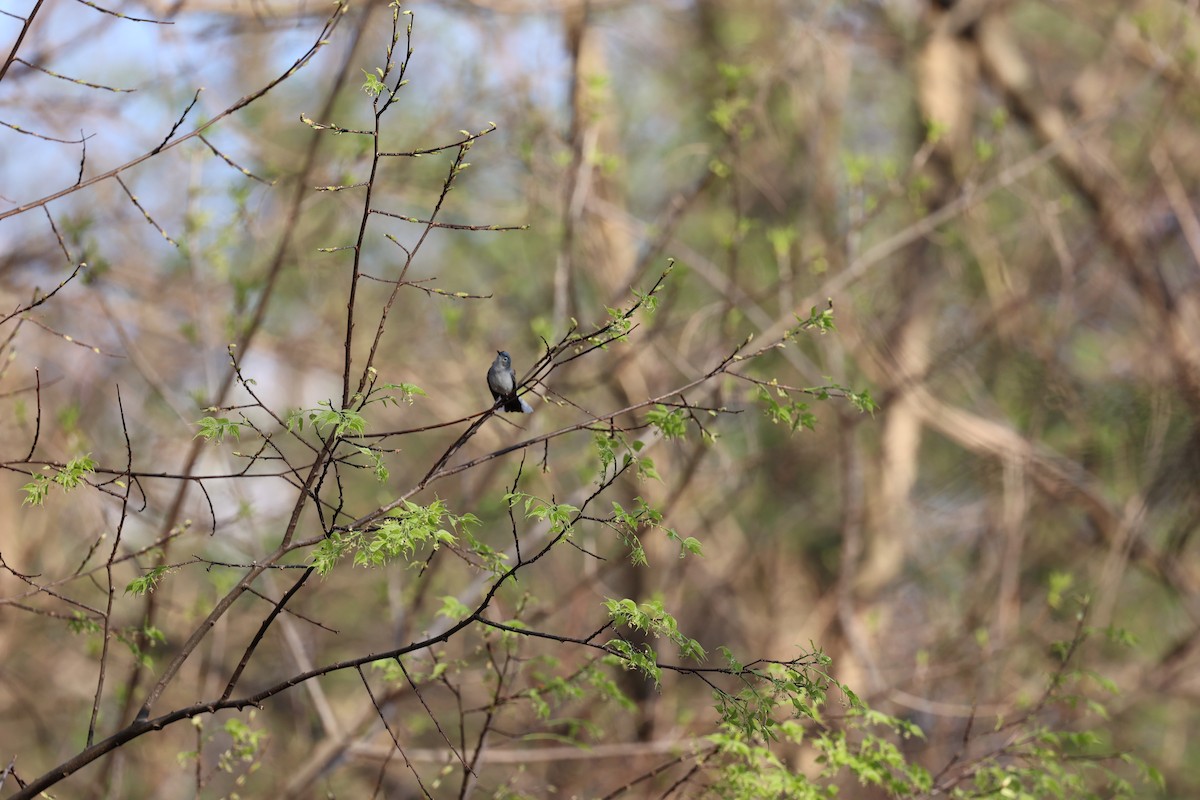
x: 998, y: 197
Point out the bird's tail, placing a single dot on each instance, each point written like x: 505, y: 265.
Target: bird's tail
x: 517, y: 405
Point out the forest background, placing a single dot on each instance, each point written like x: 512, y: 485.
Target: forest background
x: 863, y: 341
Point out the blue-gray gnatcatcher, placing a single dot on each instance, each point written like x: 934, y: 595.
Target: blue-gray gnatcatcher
x: 503, y: 383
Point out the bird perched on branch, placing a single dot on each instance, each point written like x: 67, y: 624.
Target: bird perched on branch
x: 503, y: 383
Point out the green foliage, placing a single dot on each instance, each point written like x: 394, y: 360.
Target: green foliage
x: 36, y: 491
x: 797, y: 689
x: 781, y: 408
x: 620, y: 322
x: 1048, y: 764
x: 68, y: 477
x: 643, y: 464
x: 606, y: 687
x: 148, y: 634
x: 148, y: 582
x: 730, y: 114
x: 861, y: 401
x: 653, y: 619
x: 605, y: 445
x: 561, y: 516
x: 550, y: 692
x: 81, y: 623
x: 373, y: 85
x: 778, y: 401
x: 453, y: 608
x: 627, y: 524
x: 745, y: 766
x: 341, y: 421
x: 609, y: 444
x: 215, y: 429
x: 388, y: 393
x: 242, y: 748
x: 245, y: 744
x: 636, y: 658
x: 73, y: 474
x: 778, y: 216
x: 873, y: 760
x: 863, y: 747
x: 511, y: 639
x: 68, y: 417
x: 751, y: 770
x: 857, y: 168
x: 818, y: 319
x: 1033, y: 760
x: 375, y: 460
x: 785, y: 703
x: 668, y: 421
x: 408, y: 393
x: 393, y: 672
x: 401, y: 534
x: 649, y: 300
x: 1060, y: 583
x: 489, y: 558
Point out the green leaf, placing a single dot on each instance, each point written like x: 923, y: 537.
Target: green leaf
x: 215, y: 429
x: 330, y: 551
x: 372, y: 85
x: 73, y: 473
x: 147, y: 582
x: 36, y: 491
x: 82, y: 624
x: 668, y: 421
x: 1060, y: 583
x: 453, y: 608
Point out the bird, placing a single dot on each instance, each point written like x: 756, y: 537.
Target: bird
x: 502, y: 381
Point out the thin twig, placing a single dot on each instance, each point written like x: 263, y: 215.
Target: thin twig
x: 388, y: 728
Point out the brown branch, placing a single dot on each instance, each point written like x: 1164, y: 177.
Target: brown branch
x: 35, y: 303
x: 91, y: 735
x: 448, y: 225
x: 328, y: 29
x: 126, y: 17
x: 443, y: 147
x: 388, y: 728
x: 133, y: 199
x: 274, y: 270
x: 233, y: 163
x: 178, y: 122
x: 262, y: 630
x: 432, y: 716
x: 37, y: 429
x: 69, y: 79
x: 12, y: 55
x: 43, y: 136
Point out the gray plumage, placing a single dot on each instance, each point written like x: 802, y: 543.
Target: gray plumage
x: 502, y: 382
